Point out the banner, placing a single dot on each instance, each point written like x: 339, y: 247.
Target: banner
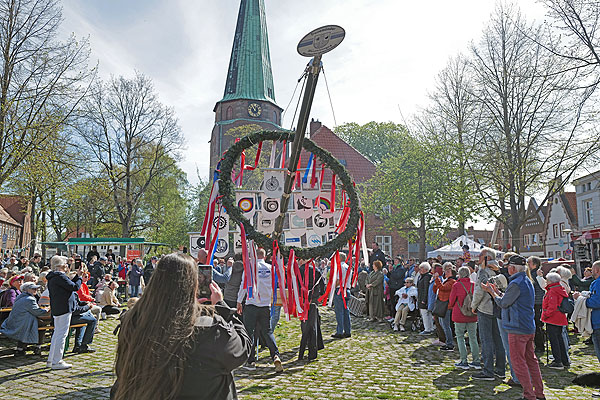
x: 320, y: 224
x: 303, y: 206
x: 273, y: 182
x: 270, y: 208
x: 313, y: 239
x: 221, y: 222
x: 197, y: 242
x: 222, y: 248
x: 324, y: 205
x: 246, y: 202
x: 265, y: 225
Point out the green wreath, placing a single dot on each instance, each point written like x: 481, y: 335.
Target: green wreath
x: 232, y: 156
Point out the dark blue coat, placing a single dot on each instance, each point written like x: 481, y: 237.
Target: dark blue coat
x: 593, y: 302
x: 61, y: 289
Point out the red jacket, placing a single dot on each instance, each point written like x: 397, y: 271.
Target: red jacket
x: 555, y: 294
x: 84, y: 293
x: 457, y: 297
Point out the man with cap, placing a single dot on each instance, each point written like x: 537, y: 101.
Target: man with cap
x: 22, y: 324
x: 518, y: 313
x: 98, y: 271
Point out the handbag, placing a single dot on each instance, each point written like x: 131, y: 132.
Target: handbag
x: 440, y: 308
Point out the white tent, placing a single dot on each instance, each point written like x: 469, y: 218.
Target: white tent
x: 454, y: 250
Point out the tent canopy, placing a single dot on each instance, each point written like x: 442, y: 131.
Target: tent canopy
x: 454, y: 250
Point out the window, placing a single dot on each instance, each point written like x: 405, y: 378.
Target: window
x: 562, y: 229
x: 229, y: 114
x: 555, y: 230
x: 589, y: 186
x: 385, y: 242
x: 589, y: 212
x: 275, y: 120
x: 526, y: 240
x: 557, y: 254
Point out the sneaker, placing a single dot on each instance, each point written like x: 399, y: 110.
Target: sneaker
x: 437, y: 342
x: 395, y: 328
x: 19, y: 352
x: 347, y: 335
x: 500, y: 376
x: 37, y: 350
x: 475, y: 365
x: 512, y: 382
x: 462, y: 365
x: 447, y: 348
x: 402, y: 329
x: 250, y: 366
x: 425, y: 332
x: 596, y: 395
x: 483, y: 377
x: 61, y: 365
x: 86, y: 350
x: 555, y: 365
x: 278, y: 365
x: 103, y: 315
x: 48, y: 364
x: 338, y: 336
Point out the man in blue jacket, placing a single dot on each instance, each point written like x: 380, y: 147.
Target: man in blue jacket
x: 593, y: 302
x: 517, y: 305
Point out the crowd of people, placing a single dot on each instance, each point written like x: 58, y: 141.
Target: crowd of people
x: 496, y: 313
x: 37, y: 296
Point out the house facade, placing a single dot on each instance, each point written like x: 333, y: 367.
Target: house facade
x: 561, y: 220
x: 18, y: 208
x: 586, y: 238
x: 533, y: 233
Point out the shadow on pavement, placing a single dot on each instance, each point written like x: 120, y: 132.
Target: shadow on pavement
x: 84, y: 394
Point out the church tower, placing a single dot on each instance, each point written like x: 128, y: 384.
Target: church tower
x: 249, y: 96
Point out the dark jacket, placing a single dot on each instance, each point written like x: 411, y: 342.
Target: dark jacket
x: 61, y: 289
x: 148, y: 270
x: 135, y: 274
x: 518, y: 315
x: 80, y: 306
x: 377, y: 255
x: 233, y: 284
x: 221, y: 345
x: 423, y: 290
x: 396, y: 275
x: 315, y: 285
x: 537, y: 289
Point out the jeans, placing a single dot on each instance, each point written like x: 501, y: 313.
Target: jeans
x: 259, y: 317
x: 504, y: 336
x: 447, y: 326
x: 526, y: 365
x: 134, y: 291
x: 471, y: 327
x: 491, y: 345
x: 565, y: 336
x: 557, y: 344
x: 57, y: 343
x: 275, y: 315
x: 427, y: 319
x: 596, y: 341
x: 85, y: 335
x: 342, y: 314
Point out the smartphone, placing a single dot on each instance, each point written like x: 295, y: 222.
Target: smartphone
x: 77, y: 264
x: 204, y: 280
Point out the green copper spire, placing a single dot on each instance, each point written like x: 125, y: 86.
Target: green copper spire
x: 249, y: 75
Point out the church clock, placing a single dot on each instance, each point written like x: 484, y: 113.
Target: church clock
x: 254, y: 110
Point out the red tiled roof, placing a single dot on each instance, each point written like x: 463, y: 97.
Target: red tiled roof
x: 571, y: 204
x: 6, y: 218
x: 360, y: 168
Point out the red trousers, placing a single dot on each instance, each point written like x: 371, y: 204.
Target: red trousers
x: 525, y: 365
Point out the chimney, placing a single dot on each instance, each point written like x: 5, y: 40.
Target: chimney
x: 314, y: 126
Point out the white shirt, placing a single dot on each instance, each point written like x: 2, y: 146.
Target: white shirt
x: 348, y: 278
x: 263, y: 296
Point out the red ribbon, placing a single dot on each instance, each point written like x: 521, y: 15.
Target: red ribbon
x: 332, y: 193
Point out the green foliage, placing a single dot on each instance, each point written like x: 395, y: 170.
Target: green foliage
x: 252, y: 179
x: 375, y: 140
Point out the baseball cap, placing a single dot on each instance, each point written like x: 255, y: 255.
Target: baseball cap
x: 517, y: 260
x: 15, y: 278
x: 103, y: 258
x: 28, y: 286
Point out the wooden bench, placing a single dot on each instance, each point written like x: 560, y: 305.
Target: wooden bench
x: 8, y: 309
x: 71, y: 327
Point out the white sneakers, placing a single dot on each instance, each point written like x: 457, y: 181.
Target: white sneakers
x: 395, y: 327
x: 278, y: 365
x: 60, y: 365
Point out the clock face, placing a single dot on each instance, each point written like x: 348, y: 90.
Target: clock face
x: 254, y: 110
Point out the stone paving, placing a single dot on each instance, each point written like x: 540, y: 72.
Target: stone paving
x: 374, y: 363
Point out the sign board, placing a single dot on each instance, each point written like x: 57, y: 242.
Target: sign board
x: 321, y: 40
x: 197, y: 242
x: 132, y: 254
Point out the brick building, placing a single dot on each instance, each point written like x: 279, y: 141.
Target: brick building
x: 19, y: 210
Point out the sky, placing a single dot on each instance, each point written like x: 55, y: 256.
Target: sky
x: 382, y: 71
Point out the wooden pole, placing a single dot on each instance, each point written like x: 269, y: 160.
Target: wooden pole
x: 314, y: 68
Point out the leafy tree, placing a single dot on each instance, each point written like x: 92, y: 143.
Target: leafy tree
x: 419, y: 186
x: 132, y: 139
x: 374, y: 140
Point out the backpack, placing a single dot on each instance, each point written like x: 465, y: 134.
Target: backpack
x: 566, y: 306
x: 465, y: 307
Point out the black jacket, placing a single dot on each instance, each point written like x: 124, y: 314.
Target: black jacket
x: 377, y: 255
x: 148, y: 270
x: 537, y: 289
x: 80, y: 306
x: 61, y: 289
x: 315, y: 286
x: 221, y: 345
x: 423, y: 290
x: 396, y: 276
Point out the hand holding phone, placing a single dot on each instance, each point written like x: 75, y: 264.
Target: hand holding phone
x: 204, y: 281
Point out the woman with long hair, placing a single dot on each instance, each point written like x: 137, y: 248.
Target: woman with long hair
x: 172, y: 347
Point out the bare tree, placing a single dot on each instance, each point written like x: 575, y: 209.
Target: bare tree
x: 42, y: 80
x: 537, y: 131
x: 133, y: 138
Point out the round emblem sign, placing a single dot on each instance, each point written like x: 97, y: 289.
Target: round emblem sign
x: 321, y: 40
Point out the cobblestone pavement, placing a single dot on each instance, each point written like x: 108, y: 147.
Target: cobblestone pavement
x: 373, y: 364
